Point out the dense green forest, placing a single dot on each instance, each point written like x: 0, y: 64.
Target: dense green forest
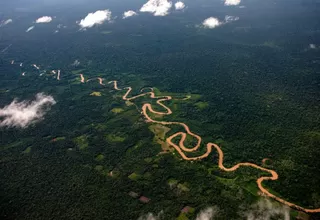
x: 253, y: 90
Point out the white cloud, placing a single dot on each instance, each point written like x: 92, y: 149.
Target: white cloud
x: 232, y: 2
x: 22, y: 114
x: 3, y: 23
x: 95, y: 18
x: 30, y: 28
x: 264, y: 209
x: 7, y: 21
x: 44, y: 19
x: 157, y: 7
x: 229, y: 18
x: 211, y: 23
x: 129, y: 14
x: 312, y: 46
x: 179, y: 5
x: 207, y: 214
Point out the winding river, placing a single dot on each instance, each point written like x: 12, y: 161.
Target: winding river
x: 181, y: 148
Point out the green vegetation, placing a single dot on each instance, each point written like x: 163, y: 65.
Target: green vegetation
x: 115, y: 138
x: 186, y: 213
x: 134, y: 176
x: 12, y: 145
x: 128, y: 103
x: 202, y: 105
x: 172, y: 183
x: 229, y: 182
x: 160, y: 132
x: 59, y: 138
x: 95, y: 94
x: 194, y: 96
x: 117, y: 110
x: 148, y: 160
x: 251, y: 187
x: 182, y: 216
x: 183, y: 187
x: 78, y: 71
x: 252, y: 90
x: 81, y: 142
x: 98, y: 168
x: 99, y: 157
x: 27, y: 150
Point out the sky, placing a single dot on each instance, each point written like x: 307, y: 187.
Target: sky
x: 155, y: 7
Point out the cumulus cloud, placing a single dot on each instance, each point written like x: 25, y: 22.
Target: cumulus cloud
x: 96, y: 18
x: 157, y: 7
x: 208, y: 213
x: 179, y: 5
x: 30, y: 29
x: 3, y: 23
x: 22, y: 114
x: 211, y: 22
x: 129, y: 13
x: 232, y: 2
x: 264, y: 209
x: 44, y: 19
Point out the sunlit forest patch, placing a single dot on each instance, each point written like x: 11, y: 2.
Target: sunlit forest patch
x: 115, y: 138
x: 96, y: 94
x: 27, y: 150
x: 99, y: 157
x: 81, y: 142
x: 202, y: 105
x: 117, y: 110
